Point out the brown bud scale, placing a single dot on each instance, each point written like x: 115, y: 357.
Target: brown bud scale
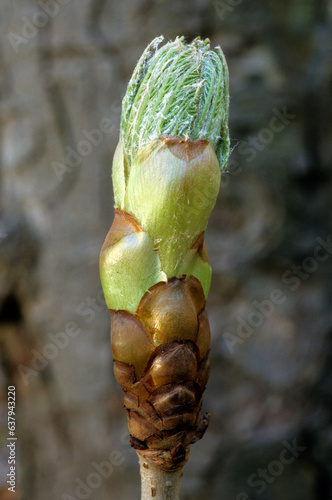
x: 161, y: 361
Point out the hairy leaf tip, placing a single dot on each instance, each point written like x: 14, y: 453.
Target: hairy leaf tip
x: 177, y: 89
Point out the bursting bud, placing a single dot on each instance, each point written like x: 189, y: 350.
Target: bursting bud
x: 173, y: 146
x: 154, y: 265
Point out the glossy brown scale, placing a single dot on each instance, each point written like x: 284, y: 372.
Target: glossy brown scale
x: 161, y: 361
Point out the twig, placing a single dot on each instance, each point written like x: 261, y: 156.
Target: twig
x: 158, y: 484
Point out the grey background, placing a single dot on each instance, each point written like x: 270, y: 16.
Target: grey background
x: 62, y: 73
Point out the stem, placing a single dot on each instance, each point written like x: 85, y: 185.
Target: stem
x: 158, y: 484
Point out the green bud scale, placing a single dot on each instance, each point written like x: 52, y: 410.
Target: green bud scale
x: 154, y: 265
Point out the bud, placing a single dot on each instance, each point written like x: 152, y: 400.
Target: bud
x: 154, y: 265
x: 173, y: 144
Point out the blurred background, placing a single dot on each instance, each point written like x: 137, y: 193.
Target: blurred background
x: 64, y: 69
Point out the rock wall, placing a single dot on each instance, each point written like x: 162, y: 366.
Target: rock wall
x: 65, y: 66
